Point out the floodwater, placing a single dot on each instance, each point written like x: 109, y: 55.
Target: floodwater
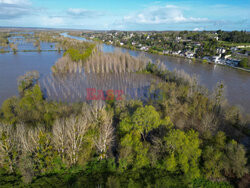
x: 12, y: 66
x: 237, y: 82
x: 74, y: 87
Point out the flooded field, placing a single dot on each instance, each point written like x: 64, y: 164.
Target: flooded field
x: 15, y: 65
x: 73, y: 87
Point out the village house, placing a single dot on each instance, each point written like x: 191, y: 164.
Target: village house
x: 189, y: 54
x: 220, y: 50
x: 216, y: 59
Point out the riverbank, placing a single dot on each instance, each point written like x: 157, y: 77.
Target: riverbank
x: 198, y: 60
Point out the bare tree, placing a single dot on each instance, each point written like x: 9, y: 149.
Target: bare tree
x: 106, y: 133
x: 60, y: 137
x: 28, y: 137
x: 68, y: 137
x: 76, y: 128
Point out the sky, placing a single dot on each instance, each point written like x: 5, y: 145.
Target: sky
x: 127, y: 14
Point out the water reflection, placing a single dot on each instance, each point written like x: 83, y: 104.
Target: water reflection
x: 73, y: 87
x: 12, y: 66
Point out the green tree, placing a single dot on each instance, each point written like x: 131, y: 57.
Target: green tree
x: 133, y: 143
x: 244, y: 63
x: 8, y: 110
x: 27, y: 81
x: 183, y: 153
x: 9, y: 151
x: 145, y: 119
x: 235, y: 160
x: 212, y: 156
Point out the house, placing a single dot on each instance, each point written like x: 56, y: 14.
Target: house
x: 227, y: 56
x: 189, y: 54
x: 197, y: 44
x: 121, y: 43
x: 144, y: 48
x: 177, y: 53
x: 216, y: 59
x: 233, y: 48
x: 220, y: 50
x: 166, y: 52
x: 178, y: 38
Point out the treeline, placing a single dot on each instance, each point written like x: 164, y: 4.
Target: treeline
x: 181, y: 136
x: 234, y: 36
x: 116, y: 62
x: 99, y: 62
x: 75, y: 54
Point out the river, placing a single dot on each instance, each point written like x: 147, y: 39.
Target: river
x: 237, y: 82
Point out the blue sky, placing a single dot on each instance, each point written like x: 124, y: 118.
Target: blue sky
x: 127, y: 14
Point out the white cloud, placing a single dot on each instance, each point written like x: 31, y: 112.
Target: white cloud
x: 161, y: 15
x: 80, y: 12
x: 10, y: 9
x: 48, y: 21
x: 16, y: 2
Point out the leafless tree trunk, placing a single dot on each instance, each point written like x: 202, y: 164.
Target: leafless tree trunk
x: 106, y: 133
x: 60, y: 137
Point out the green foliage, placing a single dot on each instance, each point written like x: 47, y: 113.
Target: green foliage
x: 234, y: 36
x: 145, y: 119
x: 244, y: 63
x: 76, y: 55
x: 8, y: 110
x: 9, y: 152
x: 183, y: 153
x: 221, y: 158
x: 203, y: 183
x: 235, y: 160
x: 154, y: 141
x: 9, y: 180
x: 134, y: 131
x: 43, y: 157
x: 213, y: 156
x: 27, y: 81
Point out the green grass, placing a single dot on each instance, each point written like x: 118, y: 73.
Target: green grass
x: 232, y: 44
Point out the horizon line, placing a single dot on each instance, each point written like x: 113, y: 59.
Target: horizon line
x: 51, y: 28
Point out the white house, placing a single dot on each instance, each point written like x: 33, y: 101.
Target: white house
x: 189, y: 55
x: 216, y: 59
x: 144, y: 48
x: 220, y: 50
x: 227, y: 56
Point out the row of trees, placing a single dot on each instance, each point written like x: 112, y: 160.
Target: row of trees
x: 234, y: 36
x: 101, y: 63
